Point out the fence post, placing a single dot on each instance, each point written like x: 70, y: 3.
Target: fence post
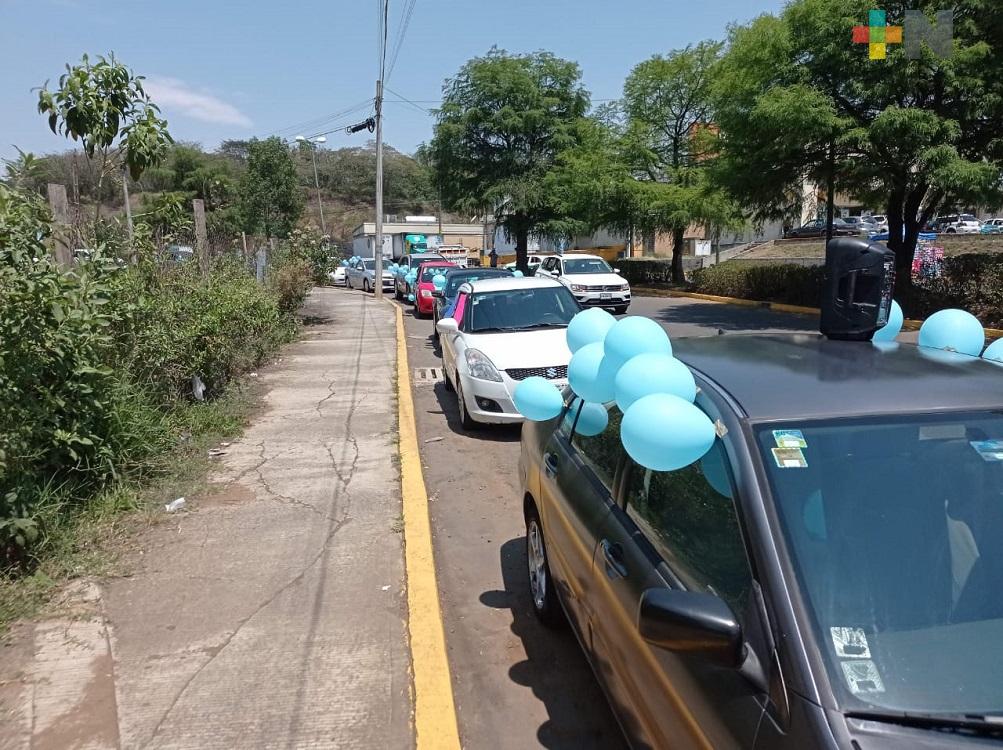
x: 243, y: 241
x: 61, y: 224
x: 260, y: 264
x: 201, y: 243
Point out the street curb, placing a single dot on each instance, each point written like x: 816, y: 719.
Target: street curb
x: 908, y: 325
x: 434, y: 711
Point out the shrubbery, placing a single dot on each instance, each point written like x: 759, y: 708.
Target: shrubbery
x: 970, y: 282
x: 780, y: 282
x: 645, y: 271
x: 96, y: 362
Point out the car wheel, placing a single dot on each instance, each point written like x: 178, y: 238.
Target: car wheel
x: 541, y: 584
x: 952, y: 230
x: 466, y: 422
x: 365, y: 285
x: 397, y: 293
x: 620, y: 310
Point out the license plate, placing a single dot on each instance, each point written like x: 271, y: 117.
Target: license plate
x: 605, y: 295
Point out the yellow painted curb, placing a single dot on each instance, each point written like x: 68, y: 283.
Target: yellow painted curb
x: 908, y: 325
x: 434, y: 712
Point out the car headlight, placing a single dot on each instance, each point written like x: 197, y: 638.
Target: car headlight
x: 480, y: 366
x: 625, y: 287
x: 426, y: 292
x: 577, y: 287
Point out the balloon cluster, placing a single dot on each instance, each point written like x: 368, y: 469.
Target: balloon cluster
x: 630, y: 362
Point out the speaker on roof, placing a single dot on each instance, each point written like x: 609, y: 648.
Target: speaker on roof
x: 857, y: 288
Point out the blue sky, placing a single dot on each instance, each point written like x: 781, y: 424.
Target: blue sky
x: 242, y: 68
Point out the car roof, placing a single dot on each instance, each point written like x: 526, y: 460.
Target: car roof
x: 579, y: 256
x: 506, y: 283
x: 460, y: 270
x: 806, y: 376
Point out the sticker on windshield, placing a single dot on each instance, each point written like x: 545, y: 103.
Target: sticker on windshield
x: 990, y: 450
x: 790, y: 458
x: 850, y: 643
x: 790, y: 439
x: 862, y: 677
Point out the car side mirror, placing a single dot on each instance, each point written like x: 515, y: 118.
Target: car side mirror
x: 438, y: 293
x: 616, y: 270
x: 691, y: 622
x: 447, y: 325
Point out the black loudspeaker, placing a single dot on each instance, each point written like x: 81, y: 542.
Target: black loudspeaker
x: 857, y: 289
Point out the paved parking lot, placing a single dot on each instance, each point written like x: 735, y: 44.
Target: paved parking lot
x: 517, y: 684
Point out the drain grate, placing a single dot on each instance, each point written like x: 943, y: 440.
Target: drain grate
x: 427, y: 375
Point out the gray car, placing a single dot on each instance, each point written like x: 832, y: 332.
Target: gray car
x: 827, y: 576
x: 361, y: 274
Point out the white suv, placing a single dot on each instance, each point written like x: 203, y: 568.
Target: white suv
x: 958, y: 224
x: 590, y: 279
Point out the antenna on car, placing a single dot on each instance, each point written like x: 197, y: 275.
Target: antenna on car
x: 857, y: 288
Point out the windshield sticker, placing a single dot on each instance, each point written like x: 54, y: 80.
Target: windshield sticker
x: 942, y: 432
x: 790, y: 439
x: 990, y: 450
x: 862, y: 677
x: 790, y: 458
x: 850, y: 643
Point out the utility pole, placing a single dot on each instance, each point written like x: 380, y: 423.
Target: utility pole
x: 378, y: 254
x: 316, y: 183
x: 128, y: 211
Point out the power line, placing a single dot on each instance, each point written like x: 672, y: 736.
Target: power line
x: 339, y: 126
x: 408, y: 101
x: 383, y: 46
x: 319, y: 121
x: 401, y: 32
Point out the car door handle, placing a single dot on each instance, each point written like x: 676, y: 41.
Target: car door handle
x: 550, y: 465
x: 613, y: 555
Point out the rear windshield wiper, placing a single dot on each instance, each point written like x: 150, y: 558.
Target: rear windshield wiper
x: 541, y: 325
x: 974, y: 723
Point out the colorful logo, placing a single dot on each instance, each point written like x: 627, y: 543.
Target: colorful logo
x: 877, y: 34
x: 916, y: 29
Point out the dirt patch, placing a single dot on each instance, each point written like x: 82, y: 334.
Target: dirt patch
x: 226, y: 494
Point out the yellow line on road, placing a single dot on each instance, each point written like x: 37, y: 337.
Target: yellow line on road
x: 434, y: 711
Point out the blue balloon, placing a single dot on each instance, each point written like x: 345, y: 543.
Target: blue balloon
x: 593, y: 419
x: 411, y: 277
x: 588, y: 327
x: 344, y: 263
x: 715, y: 471
x: 653, y: 373
x: 663, y: 432
x: 635, y: 335
x: 517, y: 273
x: 590, y: 375
x: 410, y: 298
x: 537, y: 399
x: 995, y: 352
x: 894, y: 325
x: 439, y: 281
x: 953, y: 330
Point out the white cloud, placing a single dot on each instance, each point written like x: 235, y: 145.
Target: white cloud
x: 173, y: 94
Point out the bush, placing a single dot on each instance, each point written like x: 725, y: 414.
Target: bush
x: 645, y: 271
x: 780, y: 282
x: 971, y: 282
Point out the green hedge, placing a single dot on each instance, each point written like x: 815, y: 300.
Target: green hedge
x: 780, y: 282
x: 971, y: 282
x: 645, y: 271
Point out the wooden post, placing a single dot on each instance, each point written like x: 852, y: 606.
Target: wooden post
x: 243, y: 240
x: 59, y: 206
x: 201, y: 242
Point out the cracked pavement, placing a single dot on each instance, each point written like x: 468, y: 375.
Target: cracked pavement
x: 273, y: 612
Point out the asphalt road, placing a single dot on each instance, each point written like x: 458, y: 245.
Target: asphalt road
x: 515, y: 683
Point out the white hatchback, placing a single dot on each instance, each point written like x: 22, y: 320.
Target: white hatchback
x: 504, y: 330
x: 590, y: 279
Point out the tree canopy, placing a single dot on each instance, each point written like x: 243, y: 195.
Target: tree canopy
x: 504, y: 120
x: 795, y: 97
x: 271, y: 200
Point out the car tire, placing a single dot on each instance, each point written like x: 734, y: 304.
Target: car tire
x: 542, y: 593
x: 620, y: 309
x: 397, y: 293
x: 365, y: 286
x: 466, y: 422
x: 447, y: 382
x: 951, y: 230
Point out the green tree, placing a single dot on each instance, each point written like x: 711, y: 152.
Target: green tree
x: 103, y: 105
x: 503, y: 122
x: 270, y: 197
x: 798, y: 101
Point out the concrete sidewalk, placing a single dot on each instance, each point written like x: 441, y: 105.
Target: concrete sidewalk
x: 273, y: 612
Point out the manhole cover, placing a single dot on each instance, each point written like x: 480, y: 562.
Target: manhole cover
x: 427, y: 375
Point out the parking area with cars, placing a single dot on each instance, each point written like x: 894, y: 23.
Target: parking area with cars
x: 516, y: 683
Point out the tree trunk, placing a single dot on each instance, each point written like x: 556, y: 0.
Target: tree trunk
x: 896, y: 229
x: 678, y: 243
x: 522, y: 249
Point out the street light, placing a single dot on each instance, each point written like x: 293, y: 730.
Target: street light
x: 313, y: 143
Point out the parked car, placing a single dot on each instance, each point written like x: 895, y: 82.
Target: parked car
x: 362, y: 275
x: 180, y: 253
x: 338, y: 276
x: 442, y: 301
x: 410, y: 263
x: 827, y: 576
x: 590, y: 279
x: 532, y: 262
x: 880, y: 221
x: 423, y: 286
x: 957, y: 224
x: 992, y: 226
x: 816, y: 228
x: 503, y: 331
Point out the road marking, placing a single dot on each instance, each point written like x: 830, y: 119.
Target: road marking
x: 434, y: 712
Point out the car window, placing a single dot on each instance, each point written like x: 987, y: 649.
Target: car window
x: 601, y: 452
x: 429, y: 271
x: 586, y: 265
x: 689, y: 517
x: 520, y: 309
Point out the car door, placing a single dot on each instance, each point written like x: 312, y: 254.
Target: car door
x: 577, y: 486
x: 674, y: 530
x: 449, y: 341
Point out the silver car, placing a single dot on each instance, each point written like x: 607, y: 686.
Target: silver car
x: 361, y: 274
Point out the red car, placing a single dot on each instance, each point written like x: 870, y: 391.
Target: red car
x: 423, y: 300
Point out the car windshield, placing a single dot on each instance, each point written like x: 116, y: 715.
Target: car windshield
x: 586, y: 265
x: 430, y: 271
x: 416, y: 260
x: 522, y: 309
x: 894, y: 528
x: 968, y: 217
x: 455, y: 280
